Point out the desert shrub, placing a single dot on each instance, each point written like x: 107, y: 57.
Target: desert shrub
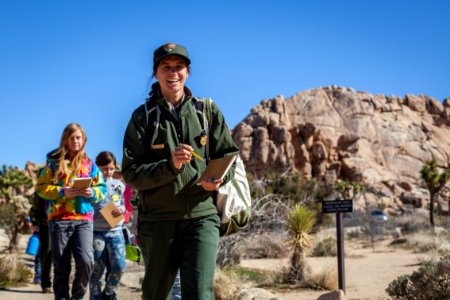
x: 13, y: 272
x: 290, y: 188
x: 231, y: 249
x: 265, y: 246
x: 226, y: 285
x: 326, y: 279
x: 230, y: 280
x: 410, y: 224
x: 399, y: 242
x: 431, y: 281
x: 247, y: 275
x: 325, y: 247
x: 424, y: 242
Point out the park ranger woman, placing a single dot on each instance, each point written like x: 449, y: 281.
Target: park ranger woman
x: 163, y: 156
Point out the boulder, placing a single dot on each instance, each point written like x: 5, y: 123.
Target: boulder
x: 337, y: 132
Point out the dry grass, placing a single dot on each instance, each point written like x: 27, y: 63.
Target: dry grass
x: 424, y: 242
x: 226, y: 285
x: 327, y: 280
x: 13, y: 272
x: 265, y: 246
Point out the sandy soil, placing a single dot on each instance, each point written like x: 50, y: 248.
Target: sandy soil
x: 368, y: 273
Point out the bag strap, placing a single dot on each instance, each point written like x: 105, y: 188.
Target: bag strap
x: 207, y: 116
x: 157, y: 122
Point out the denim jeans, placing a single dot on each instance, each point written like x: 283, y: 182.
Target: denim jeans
x: 176, y: 288
x: 37, y: 267
x: 109, y: 246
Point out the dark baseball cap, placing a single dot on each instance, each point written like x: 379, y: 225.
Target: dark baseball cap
x: 169, y: 49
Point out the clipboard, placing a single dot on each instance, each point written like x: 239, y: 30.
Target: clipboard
x: 107, y: 214
x: 217, y: 168
x: 82, y: 183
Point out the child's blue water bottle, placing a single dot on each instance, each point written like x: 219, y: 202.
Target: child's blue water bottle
x: 33, y: 244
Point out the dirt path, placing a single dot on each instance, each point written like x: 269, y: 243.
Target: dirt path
x: 129, y: 289
x: 368, y: 274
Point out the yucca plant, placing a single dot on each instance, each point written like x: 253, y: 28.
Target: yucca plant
x: 300, y: 223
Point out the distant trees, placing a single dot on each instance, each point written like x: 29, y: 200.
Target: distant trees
x: 435, y: 180
x: 14, y: 206
x: 13, y: 181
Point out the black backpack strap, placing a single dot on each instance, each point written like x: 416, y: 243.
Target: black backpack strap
x: 151, y: 106
x: 207, y: 114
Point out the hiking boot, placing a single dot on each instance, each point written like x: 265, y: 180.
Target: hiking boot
x: 108, y: 297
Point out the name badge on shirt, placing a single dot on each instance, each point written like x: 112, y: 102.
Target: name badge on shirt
x: 157, y: 146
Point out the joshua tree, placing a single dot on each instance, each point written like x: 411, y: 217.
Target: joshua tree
x: 300, y: 223
x: 13, y: 205
x: 435, y: 181
x: 13, y: 217
x: 12, y: 182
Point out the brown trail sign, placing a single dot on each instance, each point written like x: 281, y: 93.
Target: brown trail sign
x: 339, y: 207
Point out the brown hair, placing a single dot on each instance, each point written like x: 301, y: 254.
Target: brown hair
x: 104, y: 158
x: 63, y: 150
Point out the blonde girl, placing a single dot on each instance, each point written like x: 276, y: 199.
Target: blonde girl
x: 70, y: 210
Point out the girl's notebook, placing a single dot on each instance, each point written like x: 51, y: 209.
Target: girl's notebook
x: 107, y: 214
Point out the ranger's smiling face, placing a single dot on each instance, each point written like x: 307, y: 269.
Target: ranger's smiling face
x: 172, y: 73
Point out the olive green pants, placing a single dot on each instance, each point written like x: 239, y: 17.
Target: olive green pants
x: 189, y: 246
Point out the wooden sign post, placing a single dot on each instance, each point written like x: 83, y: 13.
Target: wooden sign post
x: 339, y: 207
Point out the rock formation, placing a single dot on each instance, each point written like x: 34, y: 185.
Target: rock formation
x: 335, y: 132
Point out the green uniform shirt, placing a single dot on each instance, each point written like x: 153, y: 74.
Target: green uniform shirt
x: 167, y: 193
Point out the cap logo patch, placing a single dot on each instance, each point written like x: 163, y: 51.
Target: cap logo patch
x: 170, y: 47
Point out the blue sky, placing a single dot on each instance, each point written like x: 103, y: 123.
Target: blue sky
x: 91, y: 61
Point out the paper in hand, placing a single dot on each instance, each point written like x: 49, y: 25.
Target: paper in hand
x: 107, y: 214
x: 217, y: 168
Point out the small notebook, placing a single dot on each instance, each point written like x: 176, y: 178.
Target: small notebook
x: 107, y: 214
x: 217, y: 168
x: 82, y: 183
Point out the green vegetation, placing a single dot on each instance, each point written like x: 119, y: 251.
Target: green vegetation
x: 435, y: 181
x: 12, y: 182
x: 13, y: 219
x: 431, y: 281
x: 325, y: 247
x: 245, y: 274
x: 300, y: 223
x: 14, y: 207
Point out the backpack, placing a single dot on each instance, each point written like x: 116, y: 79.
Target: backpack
x: 233, y: 199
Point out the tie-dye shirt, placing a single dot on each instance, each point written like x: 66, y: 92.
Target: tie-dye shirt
x: 63, y: 208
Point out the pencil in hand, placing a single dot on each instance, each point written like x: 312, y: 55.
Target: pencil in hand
x: 196, y: 155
